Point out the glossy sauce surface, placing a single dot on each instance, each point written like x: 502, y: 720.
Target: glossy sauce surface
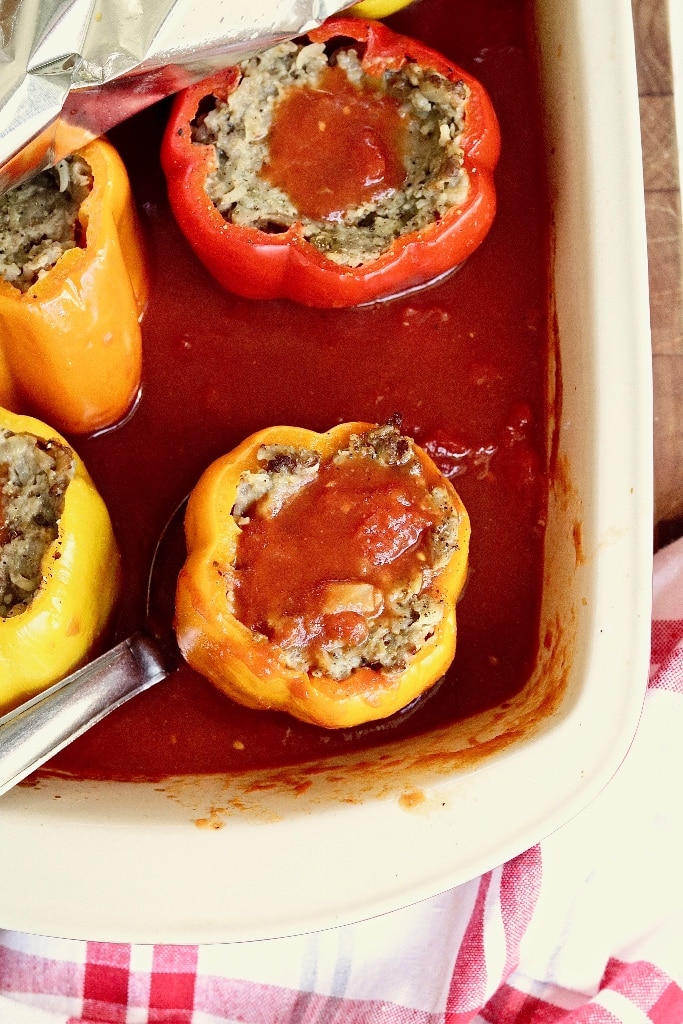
x: 358, y: 529
x: 463, y: 363
x: 335, y: 146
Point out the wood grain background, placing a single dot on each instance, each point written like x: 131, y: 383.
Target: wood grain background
x: 665, y: 256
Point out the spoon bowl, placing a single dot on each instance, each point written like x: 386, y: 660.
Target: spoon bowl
x: 33, y: 732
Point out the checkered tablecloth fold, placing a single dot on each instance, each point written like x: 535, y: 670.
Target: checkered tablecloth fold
x: 586, y: 928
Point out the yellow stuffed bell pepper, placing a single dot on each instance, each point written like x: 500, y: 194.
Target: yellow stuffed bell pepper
x: 322, y: 573
x: 66, y: 542
x: 70, y: 341
x: 377, y: 8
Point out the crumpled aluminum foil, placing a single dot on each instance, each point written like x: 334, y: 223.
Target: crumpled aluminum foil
x: 72, y: 69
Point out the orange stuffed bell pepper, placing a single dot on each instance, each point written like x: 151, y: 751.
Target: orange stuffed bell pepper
x: 60, y: 570
x: 73, y: 286
x: 322, y: 573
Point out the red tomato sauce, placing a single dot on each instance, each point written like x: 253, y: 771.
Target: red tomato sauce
x: 356, y: 523
x: 335, y: 146
x: 464, y: 364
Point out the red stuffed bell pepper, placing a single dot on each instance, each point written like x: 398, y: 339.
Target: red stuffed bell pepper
x: 333, y: 170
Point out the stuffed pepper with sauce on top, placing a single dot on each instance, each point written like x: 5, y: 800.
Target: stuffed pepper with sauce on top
x: 60, y: 572
x: 73, y: 287
x: 333, y: 170
x: 322, y: 573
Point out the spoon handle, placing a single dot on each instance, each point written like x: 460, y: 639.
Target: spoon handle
x: 32, y: 733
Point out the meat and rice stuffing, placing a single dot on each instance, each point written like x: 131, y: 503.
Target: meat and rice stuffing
x: 39, y: 221
x: 431, y: 110
x: 34, y: 476
x: 362, y: 492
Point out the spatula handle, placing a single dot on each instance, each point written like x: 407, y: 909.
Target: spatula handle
x: 32, y: 733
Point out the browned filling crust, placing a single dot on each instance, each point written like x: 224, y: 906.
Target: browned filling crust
x: 393, y: 606
x: 39, y: 221
x: 34, y: 476
x: 434, y: 109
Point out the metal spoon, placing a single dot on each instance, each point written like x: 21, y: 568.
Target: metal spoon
x: 33, y: 732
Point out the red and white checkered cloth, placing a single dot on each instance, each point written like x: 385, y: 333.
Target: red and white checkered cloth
x: 586, y: 927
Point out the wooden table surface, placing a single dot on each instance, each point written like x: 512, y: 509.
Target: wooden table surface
x: 665, y: 256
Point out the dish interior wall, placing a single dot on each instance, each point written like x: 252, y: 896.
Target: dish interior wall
x: 554, y: 680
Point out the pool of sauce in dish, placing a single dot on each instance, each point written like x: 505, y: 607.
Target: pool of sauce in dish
x: 463, y: 362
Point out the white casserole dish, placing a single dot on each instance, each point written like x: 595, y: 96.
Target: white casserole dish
x: 203, y: 860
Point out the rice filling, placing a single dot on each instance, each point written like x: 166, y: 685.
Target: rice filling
x: 39, y: 221
x: 238, y: 127
x: 34, y: 476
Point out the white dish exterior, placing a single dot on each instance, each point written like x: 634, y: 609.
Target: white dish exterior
x: 193, y: 860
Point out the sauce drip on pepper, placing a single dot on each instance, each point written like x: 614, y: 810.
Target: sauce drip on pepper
x: 321, y: 567
x: 360, y: 141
